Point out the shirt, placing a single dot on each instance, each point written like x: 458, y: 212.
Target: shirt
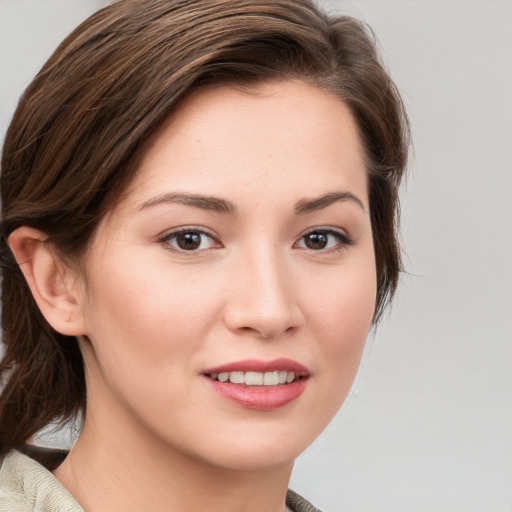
x: 28, y: 486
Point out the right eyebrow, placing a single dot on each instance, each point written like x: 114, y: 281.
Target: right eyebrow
x: 203, y: 202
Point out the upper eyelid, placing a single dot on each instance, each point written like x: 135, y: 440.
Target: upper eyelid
x: 327, y: 229
x: 184, y: 229
x: 345, y: 238
x: 323, y: 228
x: 166, y: 236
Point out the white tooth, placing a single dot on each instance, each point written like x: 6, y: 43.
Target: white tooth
x: 236, y: 377
x: 223, y: 377
x: 271, y: 379
x: 290, y: 377
x: 213, y: 376
x: 282, y: 377
x: 253, y: 378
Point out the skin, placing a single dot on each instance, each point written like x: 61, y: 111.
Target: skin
x: 152, y: 317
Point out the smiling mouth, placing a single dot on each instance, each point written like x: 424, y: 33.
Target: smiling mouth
x: 259, y: 385
x: 275, y: 378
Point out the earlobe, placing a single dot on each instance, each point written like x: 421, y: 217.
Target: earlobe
x: 51, y: 281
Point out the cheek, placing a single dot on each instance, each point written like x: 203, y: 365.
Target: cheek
x: 341, y: 312
x: 150, y: 316
x: 342, y: 303
x: 145, y: 329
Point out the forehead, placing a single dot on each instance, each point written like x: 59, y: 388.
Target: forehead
x: 224, y: 140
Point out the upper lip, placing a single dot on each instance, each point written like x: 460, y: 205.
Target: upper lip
x: 255, y: 365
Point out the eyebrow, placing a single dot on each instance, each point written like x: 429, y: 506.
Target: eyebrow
x: 219, y: 205
x: 197, y: 200
x: 318, y: 203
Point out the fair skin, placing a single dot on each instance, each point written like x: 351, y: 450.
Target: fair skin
x: 244, y: 240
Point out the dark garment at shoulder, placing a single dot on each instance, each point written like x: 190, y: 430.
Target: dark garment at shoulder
x: 50, y: 458
x: 298, y: 503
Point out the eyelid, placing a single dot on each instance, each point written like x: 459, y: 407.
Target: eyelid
x: 167, y: 235
x: 344, y: 239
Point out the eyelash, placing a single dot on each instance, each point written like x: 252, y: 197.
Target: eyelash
x: 343, y: 240
x: 166, y: 240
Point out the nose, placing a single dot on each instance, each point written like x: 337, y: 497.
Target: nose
x: 262, y: 299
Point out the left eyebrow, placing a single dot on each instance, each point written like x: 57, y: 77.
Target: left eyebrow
x: 318, y: 203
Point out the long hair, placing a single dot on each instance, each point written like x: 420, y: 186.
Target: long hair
x: 84, y: 122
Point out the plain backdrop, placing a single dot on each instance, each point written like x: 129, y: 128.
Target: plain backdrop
x: 428, y: 424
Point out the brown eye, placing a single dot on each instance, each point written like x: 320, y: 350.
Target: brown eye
x: 188, y: 240
x: 317, y: 240
x: 324, y: 240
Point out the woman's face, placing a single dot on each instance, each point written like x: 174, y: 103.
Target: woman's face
x: 240, y: 259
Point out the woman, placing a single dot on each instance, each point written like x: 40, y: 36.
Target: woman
x: 198, y: 231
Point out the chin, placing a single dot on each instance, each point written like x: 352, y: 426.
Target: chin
x: 257, y: 446
x: 242, y: 456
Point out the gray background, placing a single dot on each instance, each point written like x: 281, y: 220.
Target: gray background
x: 428, y: 424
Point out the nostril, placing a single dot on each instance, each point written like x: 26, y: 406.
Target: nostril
x: 266, y: 334
x: 262, y: 316
x: 255, y: 332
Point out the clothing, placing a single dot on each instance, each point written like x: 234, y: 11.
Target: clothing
x: 27, y: 486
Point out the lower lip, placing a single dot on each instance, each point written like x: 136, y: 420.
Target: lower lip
x: 261, y: 398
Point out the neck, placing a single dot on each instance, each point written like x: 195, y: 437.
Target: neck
x: 124, y: 469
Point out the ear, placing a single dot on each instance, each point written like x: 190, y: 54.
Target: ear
x: 53, y: 284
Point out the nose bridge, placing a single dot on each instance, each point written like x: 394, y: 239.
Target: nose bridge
x: 263, y: 301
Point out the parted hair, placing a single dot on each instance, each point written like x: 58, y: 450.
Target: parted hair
x: 84, y: 122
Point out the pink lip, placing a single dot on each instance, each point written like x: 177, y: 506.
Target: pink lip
x: 262, y: 398
x: 254, y: 365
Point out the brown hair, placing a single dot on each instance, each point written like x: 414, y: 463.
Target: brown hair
x: 83, y: 123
